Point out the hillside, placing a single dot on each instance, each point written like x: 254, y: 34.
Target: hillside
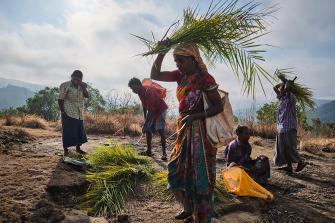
x: 32, y: 87
x: 14, y: 96
x: 326, y: 112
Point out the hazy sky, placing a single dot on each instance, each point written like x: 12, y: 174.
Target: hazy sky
x: 44, y: 41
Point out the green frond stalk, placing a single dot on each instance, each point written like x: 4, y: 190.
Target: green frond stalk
x: 115, y: 172
x: 225, y: 33
x: 303, y: 94
x: 159, y: 184
x: 221, y: 195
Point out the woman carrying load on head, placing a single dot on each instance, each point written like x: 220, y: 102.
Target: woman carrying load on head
x: 192, y: 163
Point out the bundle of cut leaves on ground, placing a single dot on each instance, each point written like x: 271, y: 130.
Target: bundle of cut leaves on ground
x: 303, y: 94
x: 115, y: 173
x: 227, y: 32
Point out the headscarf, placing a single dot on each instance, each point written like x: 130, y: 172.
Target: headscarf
x: 192, y: 50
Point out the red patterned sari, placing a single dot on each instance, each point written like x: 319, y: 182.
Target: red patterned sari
x: 192, y: 163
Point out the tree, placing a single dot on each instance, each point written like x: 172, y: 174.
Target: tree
x: 121, y: 102
x: 95, y: 102
x: 267, y: 114
x: 43, y: 103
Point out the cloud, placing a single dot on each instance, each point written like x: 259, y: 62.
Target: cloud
x: 94, y: 36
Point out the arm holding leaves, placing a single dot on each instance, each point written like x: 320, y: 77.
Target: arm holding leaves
x: 156, y: 73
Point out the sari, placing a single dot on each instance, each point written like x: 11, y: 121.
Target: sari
x: 191, y: 169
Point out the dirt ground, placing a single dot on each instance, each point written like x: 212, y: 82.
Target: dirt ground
x: 36, y: 186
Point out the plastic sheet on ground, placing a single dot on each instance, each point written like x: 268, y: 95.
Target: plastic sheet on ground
x: 237, y: 181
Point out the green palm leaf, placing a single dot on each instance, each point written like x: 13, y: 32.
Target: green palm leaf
x: 115, y: 172
x: 225, y: 33
x: 303, y: 94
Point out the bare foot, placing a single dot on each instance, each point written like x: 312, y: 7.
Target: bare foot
x: 146, y: 153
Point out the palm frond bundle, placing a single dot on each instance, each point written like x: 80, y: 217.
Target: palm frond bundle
x: 303, y: 94
x: 115, y: 154
x: 159, y: 187
x: 116, y: 171
x: 226, y: 32
x: 221, y: 195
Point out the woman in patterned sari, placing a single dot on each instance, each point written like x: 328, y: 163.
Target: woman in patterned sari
x: 192, y: 163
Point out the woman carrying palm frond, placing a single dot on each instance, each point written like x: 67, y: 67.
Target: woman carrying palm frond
x: 192, y: 163
x: 226, y: 32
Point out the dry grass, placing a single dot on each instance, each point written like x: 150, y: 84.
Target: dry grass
x: 318, y: 145
x: 119, y: 124
x: 27, y: 121
x: 263, y: 131
x: 126, y: 124
x: 100, y: 123
x: 269, y: 131
x: 257, y: 141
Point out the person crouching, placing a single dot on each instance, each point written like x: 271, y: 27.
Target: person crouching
x: 154, y: 108
x: 238, y: 153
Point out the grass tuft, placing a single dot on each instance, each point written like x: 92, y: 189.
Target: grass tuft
x: 27, y: 121
x: 159, y: 187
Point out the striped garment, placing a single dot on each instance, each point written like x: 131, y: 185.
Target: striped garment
x: 287, y: 114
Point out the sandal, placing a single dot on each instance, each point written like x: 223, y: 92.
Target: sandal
x: 286, y: 168
x: 300, y: 166
x: 183, y: 215
x: 164, y: 157
x: 82, y: 152
x: 189, y: 220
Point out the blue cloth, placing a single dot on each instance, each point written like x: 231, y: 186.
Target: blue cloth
x: 287, y: 114
x: 73, y: 132
x: 157, y: 124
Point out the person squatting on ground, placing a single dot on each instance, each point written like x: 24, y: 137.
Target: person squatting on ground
x: 154, y: 108
x: 238, y: 153
x: 71, y: 103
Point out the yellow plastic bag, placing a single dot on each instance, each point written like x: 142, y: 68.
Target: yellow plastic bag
x: 237, y: 181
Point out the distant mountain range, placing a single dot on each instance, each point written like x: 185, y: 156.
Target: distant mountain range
x: 326, y: 112
x: 4, y: 82
x: 14, y: 93
x: 14, y: 96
